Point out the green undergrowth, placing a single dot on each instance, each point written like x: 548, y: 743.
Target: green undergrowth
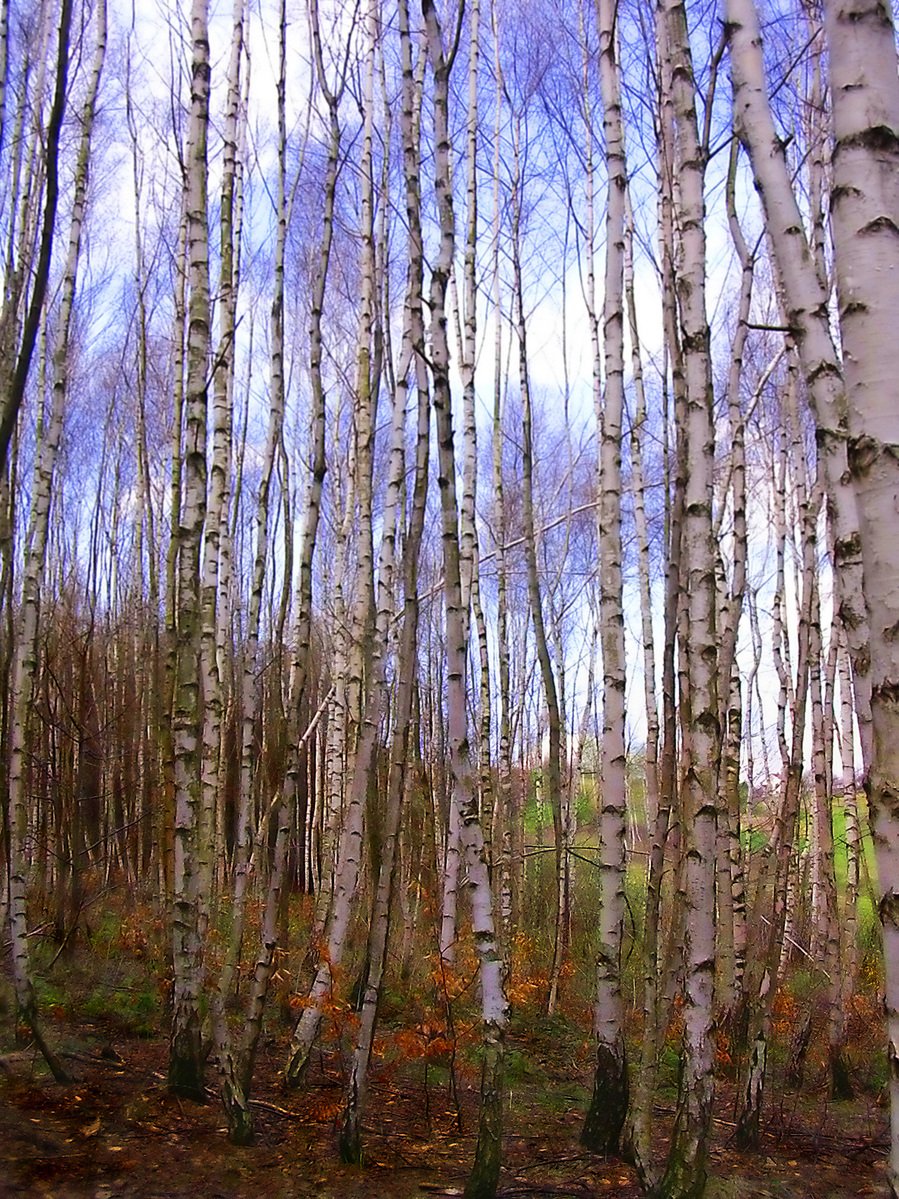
x: 115, y: 973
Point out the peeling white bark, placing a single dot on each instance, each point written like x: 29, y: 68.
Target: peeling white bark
x: 865, y: 215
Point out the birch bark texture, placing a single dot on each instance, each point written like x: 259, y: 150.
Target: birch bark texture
x: 365, y: 709
x: 685, y: 1173
x: 605, y: 1118
x: 186, y: 1049
x: 806, y: 303
x: 25, y: 663
x: 482, y: 1181
x: 865, y: 216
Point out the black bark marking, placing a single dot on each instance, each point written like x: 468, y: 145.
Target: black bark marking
x: 876, y: 139
x: 863, y: 452
x: 881, y: 224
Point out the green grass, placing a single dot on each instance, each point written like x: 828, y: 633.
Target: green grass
x: 132, y: 1010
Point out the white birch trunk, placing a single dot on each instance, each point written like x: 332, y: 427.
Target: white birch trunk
x: 312, y: 502
x: 865, y: 215
x: 26, y: 641
x: 361, y: 603
x: 484, y: 1176
x: 553, y: 762
x: 606, y: 1115
x: 219, y: 480
x: 849, y: 923
x: 665, y: 829
x: 686, y: 1167
x: 504, y: 764
x: 186, y: 1049
x: 807, y: 315
x: 651, y: 751
x: 350, y: 1134
x: 731, y: 900
x: 777, y: 860
x: 236, y: 1065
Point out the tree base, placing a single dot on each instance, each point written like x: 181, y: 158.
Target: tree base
x: 841, y: 1088
x: 295, y: 1071
x: 484, y: 1177
x: 608, y: 1108
x: 186, y: 1078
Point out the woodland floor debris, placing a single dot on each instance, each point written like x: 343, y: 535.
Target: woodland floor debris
x: 117, y: 1132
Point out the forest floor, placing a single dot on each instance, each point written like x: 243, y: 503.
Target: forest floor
x: 117, y: 1132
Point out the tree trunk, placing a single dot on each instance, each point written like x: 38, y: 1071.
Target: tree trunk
x: 608, y: 1108
x: 807, y: 315
x: 482, y: 1181
x: 186, y: 1049
x: 685, y: 1173
x: 865, y: 214
x: 25, y: 662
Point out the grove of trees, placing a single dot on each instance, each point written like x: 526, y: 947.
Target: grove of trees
x: 420, y: 420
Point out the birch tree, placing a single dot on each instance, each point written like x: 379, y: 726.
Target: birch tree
x: 865, y: 215
x: 806, y: 314
x: 554, y: 715
x: 236, y: 1064
x: 605, y: 1118
x: 49, y: 167
x: 484, y: 1176
x: 364, y: 707
x: 686, y: 1167
x: 25, y: 663
x: 217, y: 523
x: 412, y: 356
x: 186, y: 1056
x: 775, y: 866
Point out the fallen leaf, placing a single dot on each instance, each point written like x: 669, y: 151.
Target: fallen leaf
x: 92, y: 1129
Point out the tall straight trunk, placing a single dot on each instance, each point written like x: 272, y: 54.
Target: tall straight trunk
x: 780, y: 645
x: 482, y: 1181
x: 775, y: 869
x: 166, y: 813
x: 219, y: 481
x: 730, y: 853
x: 379, y: 930
x: 470, y: 549
x: 504, y: 764
x: 26, y: 644
x: 666, y: 826
x: 337, y: 745
x: 553, y: 763
x: 608, y: 1108
x: 250, y: 690
x: 865, y: 215
x: 185, y: 1073
x: 312, y: 500
x: 651, y: 750
x: 825, y: 941
x: 236, y: 1066
x: 364, y: 711
x: 685, y: 1173
x: 364, y: 407
x: 676, y: 470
